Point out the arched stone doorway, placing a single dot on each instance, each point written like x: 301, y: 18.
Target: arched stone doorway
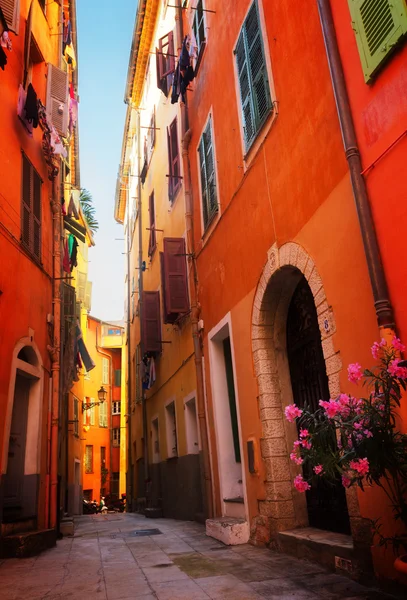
x: 21, y: 457
x: 286, y: 268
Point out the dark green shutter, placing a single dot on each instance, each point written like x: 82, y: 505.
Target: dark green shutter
x: 379, y: 26
x: 253, y: 80
x: 118, y: 377
x: 208, y: 174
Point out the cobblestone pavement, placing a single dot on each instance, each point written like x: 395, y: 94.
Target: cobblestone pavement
x: 106, y: 560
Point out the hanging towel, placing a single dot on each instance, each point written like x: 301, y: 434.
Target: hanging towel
x: 70, y: 56
x: 66, y: 262
x: 71, y: 239
x: 152, y: 376
x: 85, y: 356
x: 74, y: 255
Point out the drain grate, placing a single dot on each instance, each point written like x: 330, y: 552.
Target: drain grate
x: 141, y: 532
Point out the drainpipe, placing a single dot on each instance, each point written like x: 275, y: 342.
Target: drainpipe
x: 195, y: 306
x: 55, y: 356
x: 384, y: 311
x: 129, y: 482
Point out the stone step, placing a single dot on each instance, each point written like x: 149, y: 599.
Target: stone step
x: 229, y: 530
x: 18, y: 526
x: 237, y: 500
x: 28, y: 543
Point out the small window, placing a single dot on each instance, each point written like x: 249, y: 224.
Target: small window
x: 379, y: 26
x: 105, y: 372
x: 208, y: 175
x: 31, y: 209
x: 165, y: 61
x: 118, y: 372
x: 191, y: 426
x: 103, y: 415
x: 114, y: 484
x: 174, y: 173
x: 116, y: 408
x: 89, y: 459
x: 152, y: 243
x: 171, y: 427
x: 198, y: 26
x: 116, y: 436
x: 254, y: 86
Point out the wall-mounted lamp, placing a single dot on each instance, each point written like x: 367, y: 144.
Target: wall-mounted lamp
x: 102, y: 394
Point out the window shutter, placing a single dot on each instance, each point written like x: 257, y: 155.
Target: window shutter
x: 105, y: 373
x: 208, y: 175
x: 11, y: 12
x: 167, y: 58
x: 174, y: 180
x: 57, y: 99
x: 101, y: 415
x: 175, y: 269
x: 167, y: 317
x: 36, y: 215
x: 26, y: 234
x: 152, y: 241
x: 118, y: 377
x: 151, y: 322
x: 379, y: 25
x: 245, y: 90
x: 92, y: 413
x: 161, y: 82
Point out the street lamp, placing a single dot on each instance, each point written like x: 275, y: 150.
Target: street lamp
x: 102, y: 393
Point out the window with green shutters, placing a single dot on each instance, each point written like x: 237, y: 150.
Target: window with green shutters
x: 208, y: 175
x: 379, y: 25
x: 254, y: 85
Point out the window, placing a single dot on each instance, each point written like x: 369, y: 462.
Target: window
x: 198, y: 26
x: 89, y: 459
x: 208, y: 175
x: 118, y: 375
x: 114, y: 484
x: 379, y: 25
x: 151, y: 136
x: 171, y: 426
x: 76, y: 416
x: 174, y: 282
x: 155, y: 441
x: 191, y: 427
x: 116, y: 408
x: 31, y: 209
x: 92, y: 413
x: 174, y: 179
x: 152, y: 243
x: 255, y: 96
x: 165, y: 62
x: 151, y: 322
x: 85, y: 412
x: 105, y: 370
x: 11, y: 12
x: 57, y: 99
x: 116, y: 436
x: 103, y: 414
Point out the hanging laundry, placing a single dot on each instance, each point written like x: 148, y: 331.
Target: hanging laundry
x: 5, y: 41
x: 71, y: 90
x: 192, y: 45
x: 21, y: 110
x: 152, y: 375
x: 74, y: 254
x: 31, y: 106
x: 73, y: 113
x: 70, y: 56
x: 71, y: 239
x: 56, y: 143
x: 85, y: 356
x: 72, y: 210
x: 66, y: 263
x: 184, y: 74
x: 67, y: 34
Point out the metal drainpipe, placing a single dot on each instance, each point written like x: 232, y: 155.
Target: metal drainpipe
x: 129, y: 482
x: 195, y: 306
x: 141, y: 308
x: 384, y: 311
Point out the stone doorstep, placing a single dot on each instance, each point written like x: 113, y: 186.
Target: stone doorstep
x: 29, y: 543
x: 228, y: 530
x: 333, y: 550
x: 67, y: 527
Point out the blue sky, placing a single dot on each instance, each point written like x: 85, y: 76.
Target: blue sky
x: 104, y: 38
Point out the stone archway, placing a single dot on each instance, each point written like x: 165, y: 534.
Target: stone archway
x: 283, y: 508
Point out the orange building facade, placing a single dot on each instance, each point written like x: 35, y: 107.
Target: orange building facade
x: 38, y: 156
x: 100, y: 424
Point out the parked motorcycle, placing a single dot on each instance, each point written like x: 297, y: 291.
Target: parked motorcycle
x: 115, y: 503
x: 89, y: 507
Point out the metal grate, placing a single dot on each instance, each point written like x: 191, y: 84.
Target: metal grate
x: 377, y: 22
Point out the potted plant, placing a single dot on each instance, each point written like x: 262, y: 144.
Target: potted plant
x: 358, y: 440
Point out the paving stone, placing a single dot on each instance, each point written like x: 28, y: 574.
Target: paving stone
x: 227, y: 586
x: 282, y: 588
x: 179, y: 590
x: 164, y: 573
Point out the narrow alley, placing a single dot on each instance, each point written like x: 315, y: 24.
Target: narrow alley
x: 123, y: 556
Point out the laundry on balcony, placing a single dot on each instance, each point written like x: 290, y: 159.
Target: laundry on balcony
x: 184, y: 73
x: 31, y: 106
x: 84, y: 354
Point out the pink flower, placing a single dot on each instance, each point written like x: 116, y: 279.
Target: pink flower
x: 300, y: 484
x: 292, y: 412
x: 331, y: 408
x: 397, y: 371
x: 397, y: 345
x: 297, y: 443
x: 304, y: 433
x: 297, y: 459
x: 355, y: 373
x: 357, y: 426
x: 361, y: 466
x: 318, y: 470
x: 368, y: 433
x: 306, y: 444
x: 376, y: 348
x: 346, y: 482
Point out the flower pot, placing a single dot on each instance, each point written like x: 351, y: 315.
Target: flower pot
x: 400, y: 564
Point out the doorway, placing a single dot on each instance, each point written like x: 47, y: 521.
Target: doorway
x: 14, y: 477
x: 326, y: 502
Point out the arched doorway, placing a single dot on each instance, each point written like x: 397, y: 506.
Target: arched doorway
x: 326, y: 503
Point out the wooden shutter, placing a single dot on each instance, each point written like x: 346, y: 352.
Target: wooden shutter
x: 379, y: 25
x: 208, y: 175
x: 198, y: 25
x: 166, y: 55
x: 174, y: 180
x: 101, y: 415
x: 175, y: 271
x: 152, y: 241
x: 118, y: 377
x: 252, y: 72
x: 36, y: 212
x: 11, y: 12
x: 92, y: 413
x: 105, y: 373
x: 57, y: 99
x: 26, y: 204
x: 168, y: 317
x: 161, y: 82
x: 31, y: 209
x: 151, y: 322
